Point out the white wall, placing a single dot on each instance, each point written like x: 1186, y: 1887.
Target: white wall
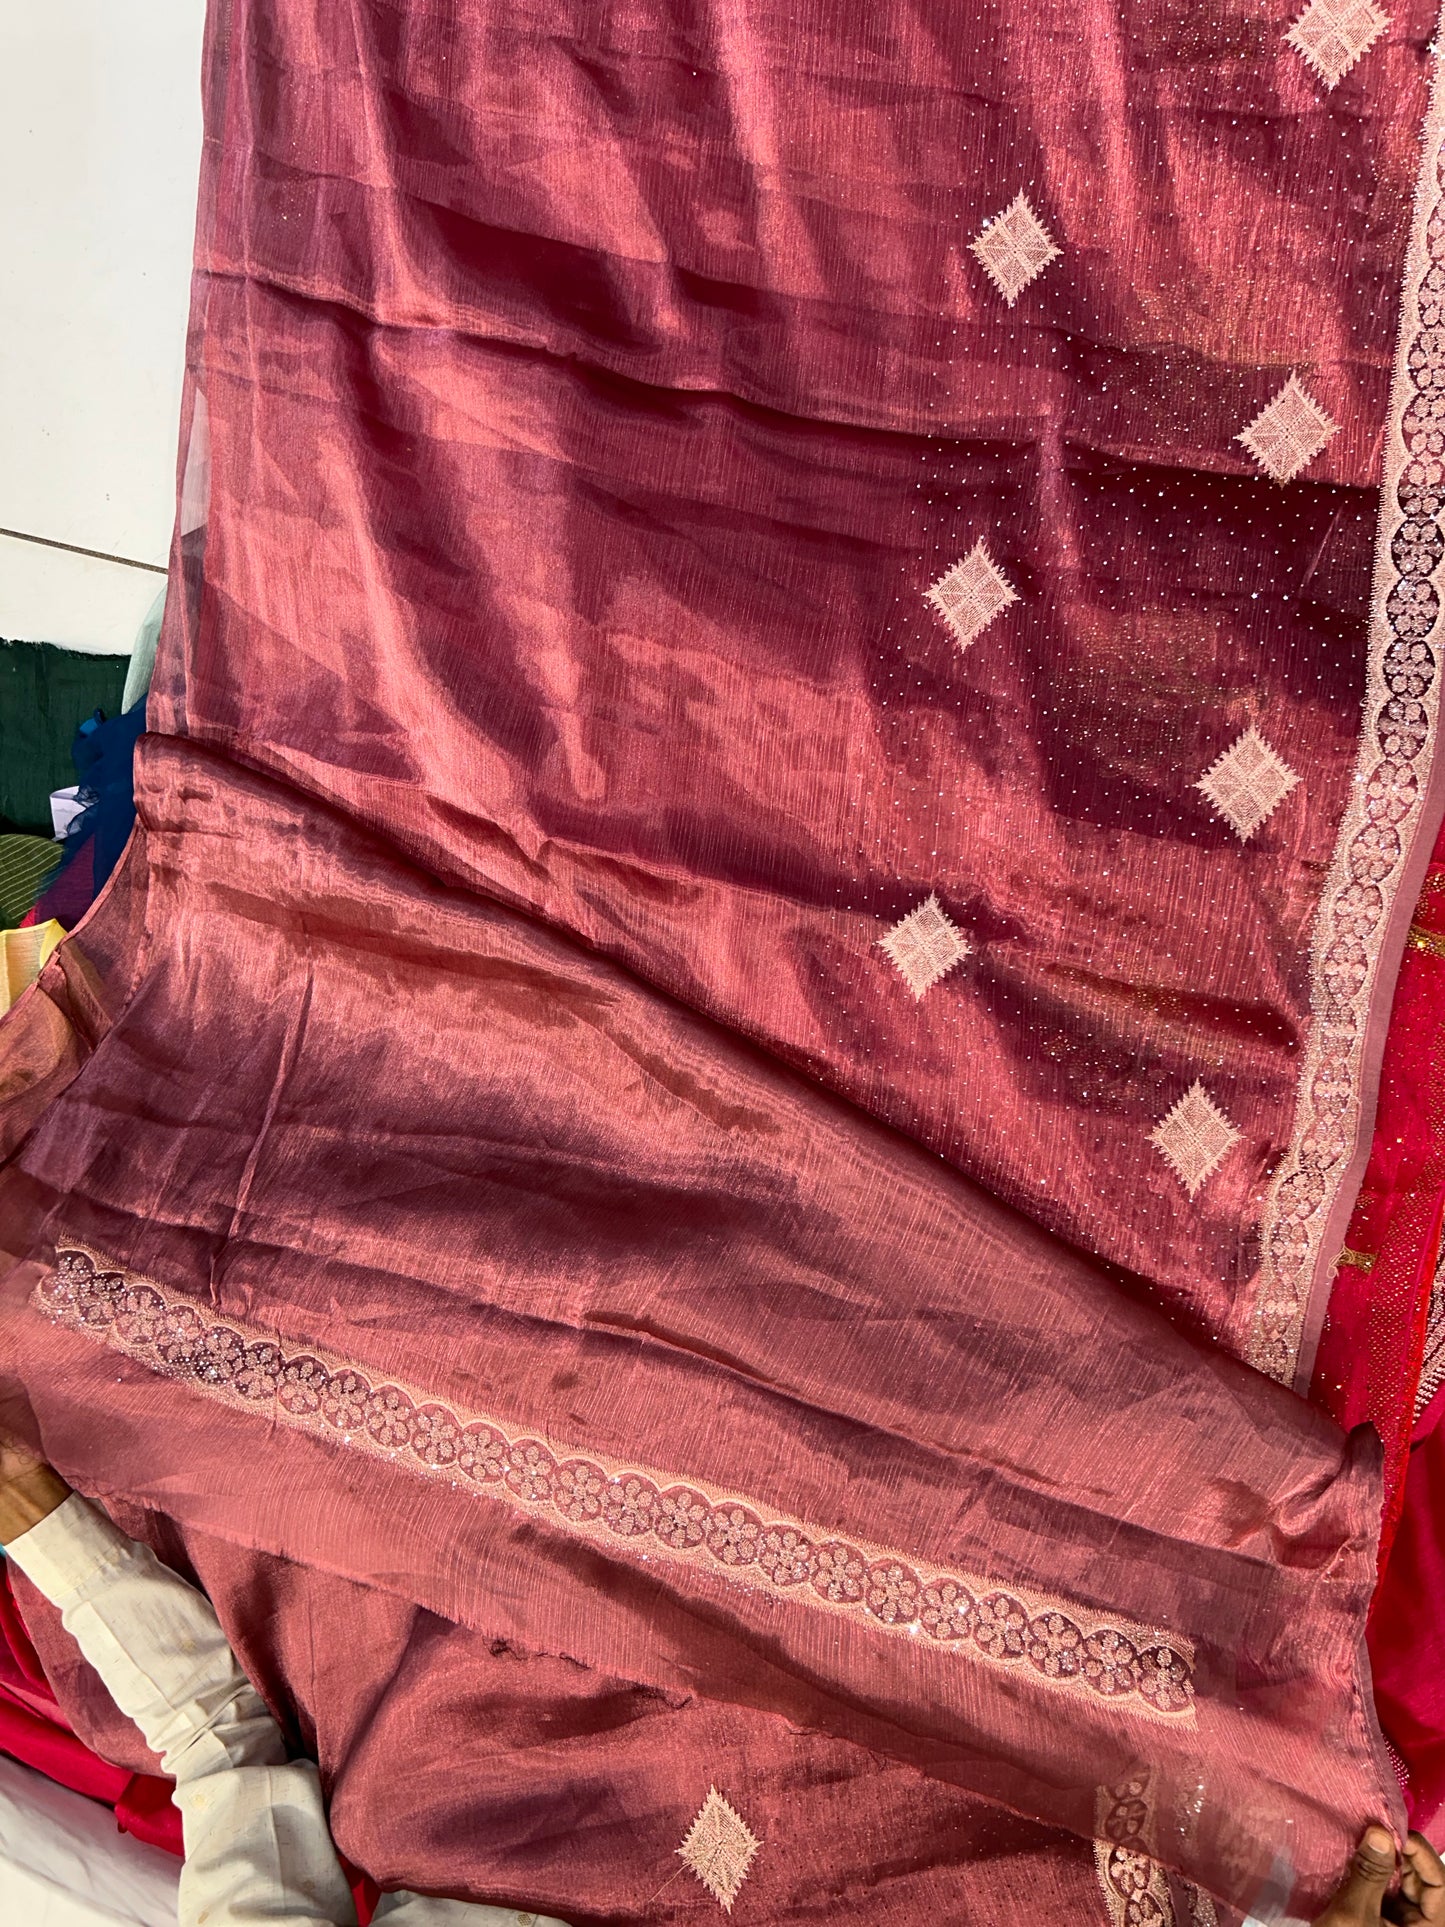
x: 100, y: 137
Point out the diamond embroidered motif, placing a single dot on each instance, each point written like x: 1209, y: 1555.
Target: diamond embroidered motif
x: 1194, y: 1137
x: 1247, y: 783
x: 924, y: 946
x: 1331, y: 35
x: 1287, y: 435
x: 1014, y: 247
x: 971, y: 594
x: 719, y: 1849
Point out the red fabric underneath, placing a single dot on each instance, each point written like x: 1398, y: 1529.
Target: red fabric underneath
x: 1370, y: 1350
x: 70, y: 893
x: 34, y: 1731
x: 1370, y: 1357
x: 1407, y: 1631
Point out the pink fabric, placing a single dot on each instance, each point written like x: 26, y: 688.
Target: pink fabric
x: 586, y: 413
x: 1407, y: 1628
x: 548, y: 1761
x: 480, y: 1150
x: 590, y: 1216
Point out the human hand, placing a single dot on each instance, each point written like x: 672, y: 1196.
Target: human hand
x: 1363, y: 1898
x: 15, y: 1459
x: 29, y: 1489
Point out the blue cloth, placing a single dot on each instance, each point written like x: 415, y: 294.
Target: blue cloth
x: 104, y: 756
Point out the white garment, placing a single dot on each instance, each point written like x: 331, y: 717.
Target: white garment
x: 258, y: 1848
x: 65, y: 1863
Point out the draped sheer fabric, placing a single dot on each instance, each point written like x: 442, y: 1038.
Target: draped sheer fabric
x: 1382, y: 1353
x: 694, y: 1151
x: 1378, y: 1358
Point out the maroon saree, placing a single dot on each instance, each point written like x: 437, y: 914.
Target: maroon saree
x: 696, y: 1152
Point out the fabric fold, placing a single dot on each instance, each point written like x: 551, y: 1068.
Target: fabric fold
x: 604, y: 1334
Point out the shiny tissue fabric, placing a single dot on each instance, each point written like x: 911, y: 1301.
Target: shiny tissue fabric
x: 480, y: 1194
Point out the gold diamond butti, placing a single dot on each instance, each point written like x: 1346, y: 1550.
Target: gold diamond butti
x: 970, y: 594
x: 1014, y: 248
x: 1247, y: 783
x: 1193, y: 1137
x: 719, y: 1848
x: 924, y: 946
x: 1331, y: 35
x: 1287, y: 435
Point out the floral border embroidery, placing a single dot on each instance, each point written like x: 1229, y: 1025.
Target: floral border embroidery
x: 1138, y: 1669
x: 1202, y: 1906
x: 1135, y: 1887
x: 1392, y: 772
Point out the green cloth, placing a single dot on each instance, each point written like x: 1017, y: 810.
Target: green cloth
x: 26, y: 865
x: 45, y: 694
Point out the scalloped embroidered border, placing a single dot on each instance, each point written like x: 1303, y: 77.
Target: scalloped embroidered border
x: 1392, y: 771
x: 1135, y: 1887
x: 1139, y: 1670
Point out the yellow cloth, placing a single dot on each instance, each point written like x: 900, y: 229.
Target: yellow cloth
x: 24, y: 957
